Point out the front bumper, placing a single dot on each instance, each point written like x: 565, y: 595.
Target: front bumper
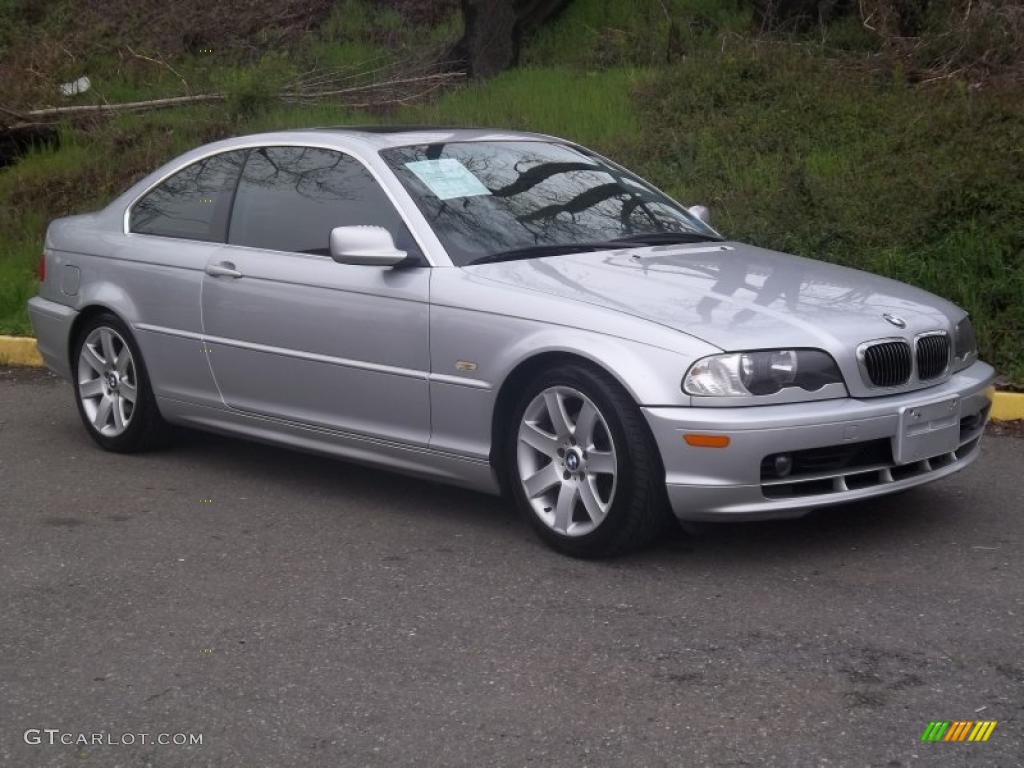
x: 52, y: 323
x: 846, y: 443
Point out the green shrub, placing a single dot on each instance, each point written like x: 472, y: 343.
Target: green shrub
x: 252, y: 91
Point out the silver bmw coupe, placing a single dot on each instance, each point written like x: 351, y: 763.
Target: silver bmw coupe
x: 507, y: 311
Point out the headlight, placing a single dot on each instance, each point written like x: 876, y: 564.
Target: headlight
x: 965, y: 345
x: 739, y: 374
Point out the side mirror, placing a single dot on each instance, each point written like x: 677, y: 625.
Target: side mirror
x: 701, y: 212
x: 365, y: 245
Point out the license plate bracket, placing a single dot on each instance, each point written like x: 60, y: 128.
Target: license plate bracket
x: 927, y: 430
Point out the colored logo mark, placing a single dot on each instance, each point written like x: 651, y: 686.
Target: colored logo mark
x: 959, y: 730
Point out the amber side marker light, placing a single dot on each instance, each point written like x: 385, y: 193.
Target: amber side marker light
x: 706, y: 441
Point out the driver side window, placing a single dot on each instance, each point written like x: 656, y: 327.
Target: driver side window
x: 290, y: 198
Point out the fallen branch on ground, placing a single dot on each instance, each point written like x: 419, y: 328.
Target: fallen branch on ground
x: 395, y: 86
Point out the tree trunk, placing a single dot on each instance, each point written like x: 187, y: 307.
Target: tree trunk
x: 495, y: 30
x: 798, y: 15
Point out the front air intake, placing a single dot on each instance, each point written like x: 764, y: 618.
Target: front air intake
x: 932, y: 355
x: 888, y: 363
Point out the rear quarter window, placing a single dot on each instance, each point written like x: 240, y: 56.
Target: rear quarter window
x: 194, y: 203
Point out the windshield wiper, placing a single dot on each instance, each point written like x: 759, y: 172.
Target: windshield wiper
x: 668, y: 238
x: 535, y: 251
x: 652, y: 238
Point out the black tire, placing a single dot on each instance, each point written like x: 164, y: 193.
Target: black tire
x: 639, y: 508
x: 146, y: 429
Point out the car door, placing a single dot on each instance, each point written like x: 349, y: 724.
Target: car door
x: 173, y: 230
x: 294, y: 335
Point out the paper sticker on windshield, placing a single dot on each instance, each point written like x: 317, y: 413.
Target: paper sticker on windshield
x: 447, y: 178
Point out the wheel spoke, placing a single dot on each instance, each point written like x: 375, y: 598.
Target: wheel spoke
x: 118, y: 413
x: 124, y: 358
x: 92, y: 359
x: 102, y: 413
x: 91, y: 388
x: 107, y: 340
x: 538, y: 439
x: 541, y: 480
x: 564, y: 506
x: 556, y: 412
x: 585, y: 423
x: 601, y: 462
x: 128, y: 391
x: 591, y: 502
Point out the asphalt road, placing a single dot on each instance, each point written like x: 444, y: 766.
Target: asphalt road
x: 298, y: 611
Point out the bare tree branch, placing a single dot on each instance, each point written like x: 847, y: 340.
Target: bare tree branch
x: 162, y: 63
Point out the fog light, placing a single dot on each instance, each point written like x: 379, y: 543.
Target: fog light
x: 782, y: 464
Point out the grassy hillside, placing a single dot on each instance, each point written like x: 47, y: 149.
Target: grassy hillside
x: 814, y: 144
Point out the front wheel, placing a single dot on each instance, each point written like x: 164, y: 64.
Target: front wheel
x: 582, y: 465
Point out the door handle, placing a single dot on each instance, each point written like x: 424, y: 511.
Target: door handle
x: 223, y: 269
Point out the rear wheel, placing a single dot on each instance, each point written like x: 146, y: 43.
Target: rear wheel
x: 582, y: 465
x: 112, y: 388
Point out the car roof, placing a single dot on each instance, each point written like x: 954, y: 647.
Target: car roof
x: 368, y: 139
x: 402, y: 135
x: 385, y: 136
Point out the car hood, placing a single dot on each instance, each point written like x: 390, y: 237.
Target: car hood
x: 735, y: 296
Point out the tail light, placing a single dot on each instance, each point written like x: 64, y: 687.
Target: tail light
x: 42, y: 268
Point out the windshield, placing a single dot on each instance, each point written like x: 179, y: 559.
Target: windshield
x: 486, y: 200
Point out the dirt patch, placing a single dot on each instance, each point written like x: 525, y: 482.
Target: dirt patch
x: 1006, y: 428
x: 17, y: 374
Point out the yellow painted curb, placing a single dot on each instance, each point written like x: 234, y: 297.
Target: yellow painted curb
x: 19, y: 350
x: 1007, y: 406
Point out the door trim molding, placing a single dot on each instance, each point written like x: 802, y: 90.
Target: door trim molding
x: 344, y: 362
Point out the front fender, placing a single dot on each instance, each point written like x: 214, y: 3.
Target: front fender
x: 478, y: 340
x: 650, y: 374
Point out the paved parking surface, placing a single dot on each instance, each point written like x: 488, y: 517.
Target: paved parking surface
x: 298, y: 611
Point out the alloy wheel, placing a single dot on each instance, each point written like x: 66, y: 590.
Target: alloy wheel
x: 107, y: 381
x: 566, y: 461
